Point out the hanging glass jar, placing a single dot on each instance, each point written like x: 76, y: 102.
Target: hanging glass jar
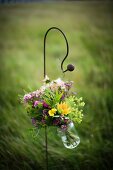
x: 69, y: 136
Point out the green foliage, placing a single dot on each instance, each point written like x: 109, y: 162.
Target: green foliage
x: 51, y: 98
x: 32, y: 111
x: 76, y: 112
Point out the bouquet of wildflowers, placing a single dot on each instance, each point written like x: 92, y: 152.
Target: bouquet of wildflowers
x: 55, y: 105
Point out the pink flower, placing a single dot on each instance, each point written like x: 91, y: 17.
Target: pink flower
x: 36, y: 103
x: 27, y: 97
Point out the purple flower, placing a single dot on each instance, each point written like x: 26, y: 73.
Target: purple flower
x: 68, y: 85
x: 33, y: 121
x: 45, y: 104
x: 56, y: 121
x: 36, y: 103
x: 45, y: 112
x: 63, y: 96
x: 63, y: 127
x: 43, y: 120
x: 27, y: 97
x: 66, y: 120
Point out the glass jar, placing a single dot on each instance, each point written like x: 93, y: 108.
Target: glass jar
x: 69, y: 136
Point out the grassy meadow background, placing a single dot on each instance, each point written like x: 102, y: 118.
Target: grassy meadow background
x: 89, y: 30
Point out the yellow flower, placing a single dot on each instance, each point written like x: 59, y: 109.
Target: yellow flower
x: 52, y: 112
x: 63, y: 108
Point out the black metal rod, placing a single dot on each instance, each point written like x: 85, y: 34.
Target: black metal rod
x: 46, y: 147
x: 46, y: 141
x: 67, y: 52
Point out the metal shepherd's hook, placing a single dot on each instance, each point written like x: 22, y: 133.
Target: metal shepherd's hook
x: 70, y: 67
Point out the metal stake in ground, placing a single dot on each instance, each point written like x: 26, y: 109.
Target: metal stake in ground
x: 70, y: 67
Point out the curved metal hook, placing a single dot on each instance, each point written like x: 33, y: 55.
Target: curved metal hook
x: 45, y: 53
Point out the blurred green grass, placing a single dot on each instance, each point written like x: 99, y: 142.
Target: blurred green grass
x: 89, y: 30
